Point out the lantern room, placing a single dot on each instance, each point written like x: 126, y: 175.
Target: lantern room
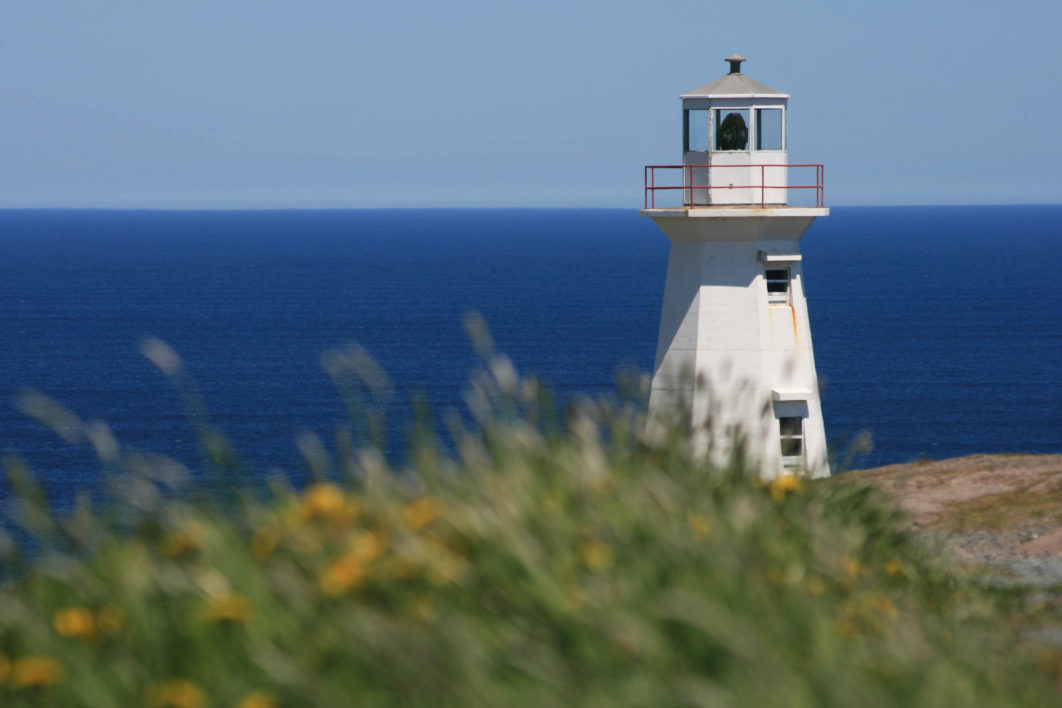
x: 734, y: 141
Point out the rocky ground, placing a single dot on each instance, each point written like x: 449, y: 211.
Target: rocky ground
x: 1001, y: 512
x: 1004, y: 511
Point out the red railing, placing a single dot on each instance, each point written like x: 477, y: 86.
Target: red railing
x: 689, y: 188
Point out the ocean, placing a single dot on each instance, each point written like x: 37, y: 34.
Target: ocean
x: 936, y: 329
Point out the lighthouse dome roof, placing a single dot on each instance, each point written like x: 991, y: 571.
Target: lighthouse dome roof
x: 735, y: 84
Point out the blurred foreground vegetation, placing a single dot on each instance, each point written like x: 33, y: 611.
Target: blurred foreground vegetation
x: 538, y: 560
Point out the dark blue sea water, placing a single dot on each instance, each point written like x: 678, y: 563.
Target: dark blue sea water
x: 939, y: 329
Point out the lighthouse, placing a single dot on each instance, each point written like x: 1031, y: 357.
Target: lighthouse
x: 734, y: 352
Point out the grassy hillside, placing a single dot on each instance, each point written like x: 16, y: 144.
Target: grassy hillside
x: 544, y: 560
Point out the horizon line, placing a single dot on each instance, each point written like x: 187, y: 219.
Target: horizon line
x: 474, y: 208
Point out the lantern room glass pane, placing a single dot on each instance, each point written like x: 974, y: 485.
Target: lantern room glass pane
x: 768, y: 128
x: 731, y: 129
x: 696, y: 130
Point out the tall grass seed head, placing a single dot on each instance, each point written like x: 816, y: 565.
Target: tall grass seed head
x: 424, y: 607
x: 444, y: 567
x: 700, y: 524
x: 161, y: 355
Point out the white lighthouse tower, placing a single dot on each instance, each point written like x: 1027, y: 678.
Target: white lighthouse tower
x: 734, y: 350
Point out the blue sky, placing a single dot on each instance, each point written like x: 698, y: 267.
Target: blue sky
x: 323, y: 103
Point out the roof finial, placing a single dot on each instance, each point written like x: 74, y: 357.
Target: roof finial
x: 735, y: 63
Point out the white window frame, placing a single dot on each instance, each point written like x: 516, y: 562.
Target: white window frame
x: 791, y: 462
x: 784, y: 298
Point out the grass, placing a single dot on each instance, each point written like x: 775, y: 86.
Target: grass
x: 1038, y: 500
x: 544, y: 559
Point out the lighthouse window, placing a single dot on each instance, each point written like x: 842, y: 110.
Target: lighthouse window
x: 792, y: 436
x: 777, y: 286
x: 768, y: 128
x: 696, y: 130
x: 731, y: 129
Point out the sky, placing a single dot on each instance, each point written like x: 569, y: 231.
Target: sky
x: 524, y: 103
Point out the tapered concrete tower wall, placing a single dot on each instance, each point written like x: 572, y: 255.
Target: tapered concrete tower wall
x: 735, y: 346
x: 729, y: 352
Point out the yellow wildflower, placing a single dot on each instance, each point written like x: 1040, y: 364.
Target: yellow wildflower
x: 783, y: 484
x: 109, y: 620
x: 894, y: 569
x: 700, y: 524
x: 343, y: 574
x: 880, y: 605
x: 178, y: 693
x: 257, y: 699
x: 184, y: 540
x: 846, y: 626
x: 74, y: 622
x: 35, y: 672
x: 5, y: 668
x: 815, y: 586
x: 228, y: 608
x: 264, y: 542
x: 420, y: 513
x: 598, y: 555
x: 367, y: 546
x: 851, y: 567
x: 325, y: 500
